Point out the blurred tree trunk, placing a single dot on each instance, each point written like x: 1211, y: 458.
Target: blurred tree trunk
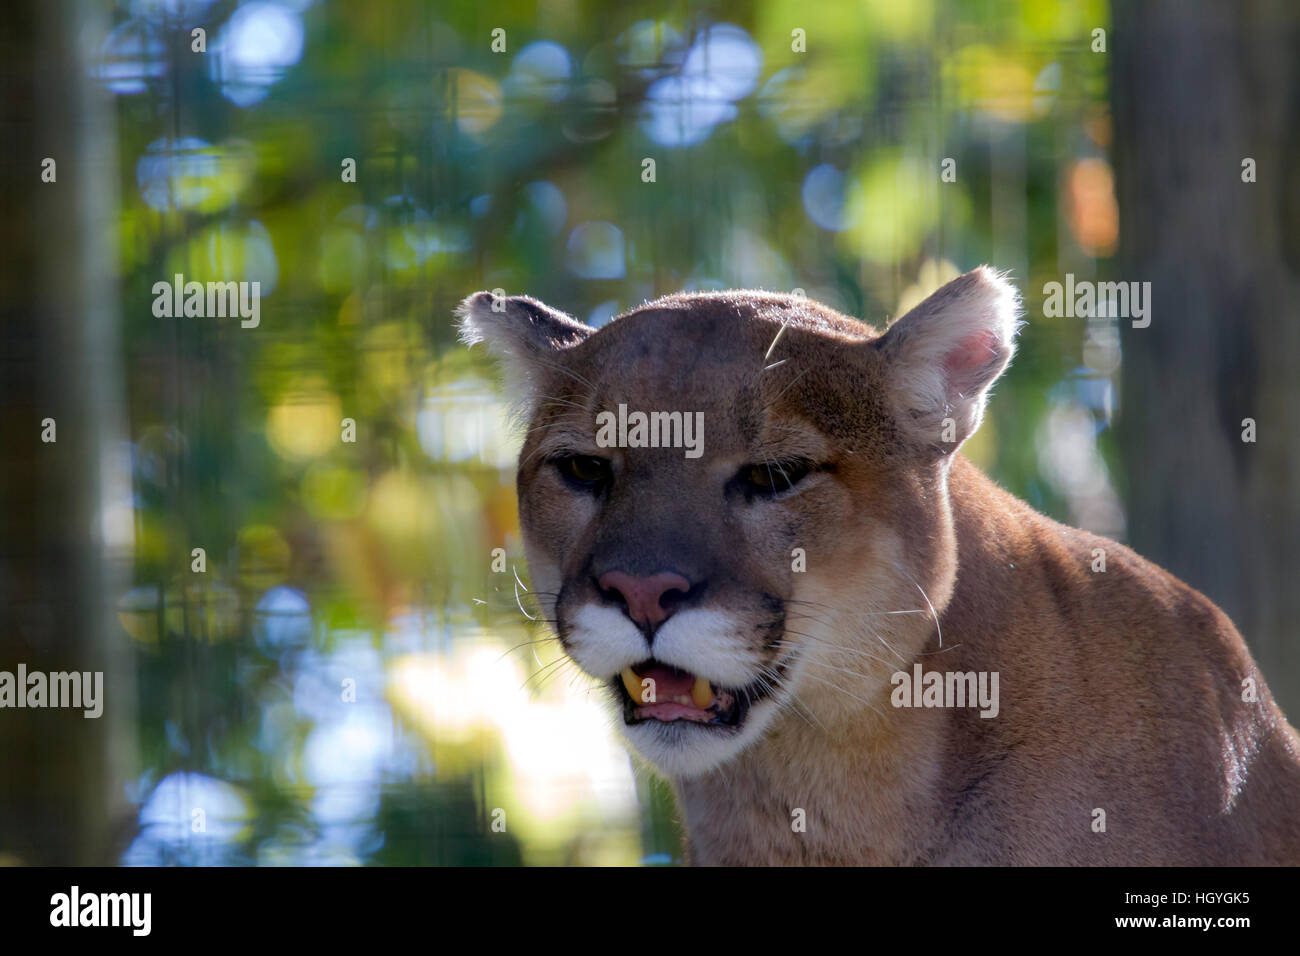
x: 62, y: 798
x: 1199, y: 87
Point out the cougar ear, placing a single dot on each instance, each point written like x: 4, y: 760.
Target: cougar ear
x: 523, y: 335
x: 942, y: 357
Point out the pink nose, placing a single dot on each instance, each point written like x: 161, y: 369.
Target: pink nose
x: 643, y: 595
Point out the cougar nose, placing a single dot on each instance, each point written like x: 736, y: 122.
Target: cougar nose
x: 644, y: 598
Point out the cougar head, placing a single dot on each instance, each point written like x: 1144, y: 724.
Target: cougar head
x: 727, y: 498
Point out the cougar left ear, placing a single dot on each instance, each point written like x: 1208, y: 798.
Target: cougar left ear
x: 520, y: 333
x: 942, y: 357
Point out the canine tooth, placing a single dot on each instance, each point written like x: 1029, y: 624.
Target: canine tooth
x: 632, y: 683
x: 702, y: 693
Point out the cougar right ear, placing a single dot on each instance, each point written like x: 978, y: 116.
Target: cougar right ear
x: 521, y: 333
x: 943, y: 356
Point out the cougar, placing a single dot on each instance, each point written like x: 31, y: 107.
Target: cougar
x: 746, y: 516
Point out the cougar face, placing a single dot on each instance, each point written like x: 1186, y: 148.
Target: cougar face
x: 701, y: 479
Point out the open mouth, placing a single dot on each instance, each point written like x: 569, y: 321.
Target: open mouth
x: 678, y: 695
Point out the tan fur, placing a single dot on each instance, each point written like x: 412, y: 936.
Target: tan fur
x: 1120, y: 691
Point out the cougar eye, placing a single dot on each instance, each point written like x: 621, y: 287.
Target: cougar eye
x: 772, y: 478
x: 584, y: 470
